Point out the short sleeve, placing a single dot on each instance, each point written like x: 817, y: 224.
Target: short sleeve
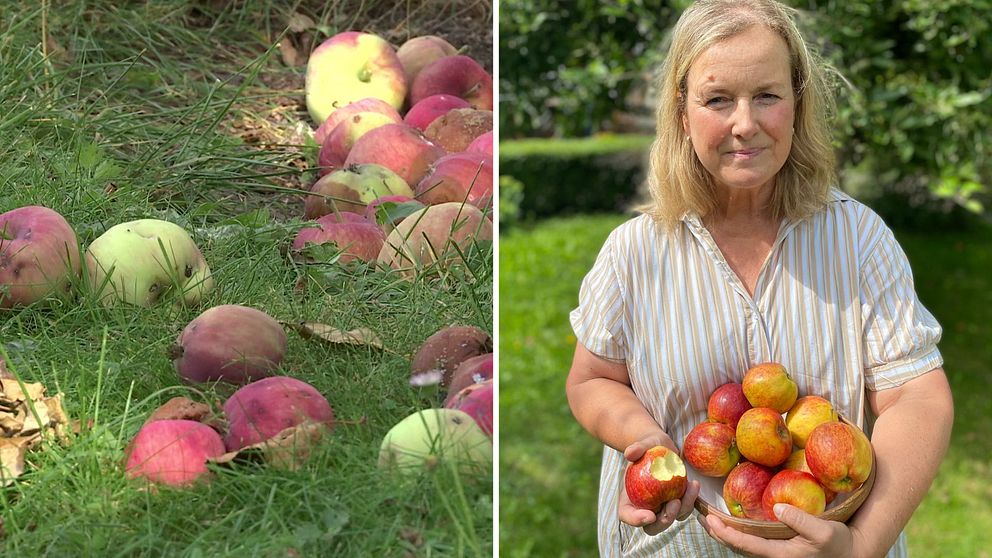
x: 598, y: 320
x: 900, y: 334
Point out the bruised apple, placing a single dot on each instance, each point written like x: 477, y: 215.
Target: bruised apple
x: 743, y: 489
x: 763, y: 438
x: 264, y: 408
x: 366, y: 105
x: 727, y: 403
x: 230, y: 343
x: 796, y: 488
x: 173, y: 452
x: 336, y: 146
x: 711, y: 449
x: 455, y: 129
x: 39, y: 255
x: 435, y: 238
x: 806, y: 414
x: 657, y: 477
x: 839, y: 455
x: 440, y: 355
x: 769, y: 385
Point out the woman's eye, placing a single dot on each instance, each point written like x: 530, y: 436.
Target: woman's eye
x: 716, y: 101
x: 768, y: 97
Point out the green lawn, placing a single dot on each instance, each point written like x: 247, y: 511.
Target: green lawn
x: 549, y: 466
x: 183, y: 110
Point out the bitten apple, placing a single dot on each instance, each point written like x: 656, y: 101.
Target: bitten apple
x: 808, y: 413
x: 744, y: 487
x: 762, y: 437
x: 657, y: 477
x: 797, y: 488
x: 839, y: 456
x: 727, y: 403
x: 769, y: 385
x: 711, y: 449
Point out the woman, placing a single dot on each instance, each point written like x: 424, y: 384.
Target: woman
x: 748, y: 254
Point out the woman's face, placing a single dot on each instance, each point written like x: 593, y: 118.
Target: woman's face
x: 740, y: 108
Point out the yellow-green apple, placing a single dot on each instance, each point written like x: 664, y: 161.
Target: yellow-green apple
x: 351, y: 66
x: 727, y: 403
x: 457, y: 75
x: 440, y: 355
x: 743, y: 488
x: 431, y: 108
x: 428, y: 437
x: 368, y: 104
x: 796, y: 488
x: 351, y: 235
x: 769, y: 385
x: 334, y: 151
x: 389, y: 211
x: 482, y: 144
x: 839, y: 455
x: 458, y: 177
x: 264, y: 408
x: 711, y: 449
x: 398, y: 147
x: 762, y: 437
x: 418, y: 52
x: 173, y: 452
x: 455, y: 129
x: 230, y: 343
x: 435, y: 238
x: 477, y: 401
x: 657, y: 477
x: 39, y: 255
x: 352, y: 188
x: 143, y: 261
x: 797, y: 462
x: 806, y: 414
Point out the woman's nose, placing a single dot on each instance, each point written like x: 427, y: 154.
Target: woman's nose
x: 743, y: 123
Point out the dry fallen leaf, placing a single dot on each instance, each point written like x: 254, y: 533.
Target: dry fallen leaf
x: 26, y: 417
x: 11, y: 464
x: 328, y: 334
x: 10, y: 389
x: 184, y: 408
x: 289, y: 449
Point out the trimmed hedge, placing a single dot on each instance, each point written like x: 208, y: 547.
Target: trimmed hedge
x: 601, y: 174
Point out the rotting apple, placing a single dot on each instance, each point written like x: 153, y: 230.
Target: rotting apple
x: 264, y: 408
x: 743, y: 489
x: 727, y: 403
x: 839, y: 455
x: 711, y: 449
x: 458, y: 177
x: 477, y: 401
x: 39, y: 255
x: 429, y: 109
x: 173, y: 452
x: 457, y: 75
x: 455, y: 129
x: 140, y: 262
x: 442, y: 352
x: 230, y: 343
x: 431, y: 436
x: 398, y: 147
x: 769, y: 385
x: 796, y: 488
x: 763, y: 438
x: 351, y: 66
x: 806, y: 414
x: 353, y: 236
x: 657, y: 477
x: 435, y: 238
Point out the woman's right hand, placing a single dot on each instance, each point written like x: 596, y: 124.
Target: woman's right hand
x: 655, y: 523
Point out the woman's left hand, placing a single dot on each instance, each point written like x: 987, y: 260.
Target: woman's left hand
x: 815, y: 536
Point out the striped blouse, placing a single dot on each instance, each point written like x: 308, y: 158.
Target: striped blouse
x: 834, y: 302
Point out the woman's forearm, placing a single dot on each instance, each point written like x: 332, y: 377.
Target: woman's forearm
x: 611, y: 412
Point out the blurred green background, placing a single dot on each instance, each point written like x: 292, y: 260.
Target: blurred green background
x: 914, y: 109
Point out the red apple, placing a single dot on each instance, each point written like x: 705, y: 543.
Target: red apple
x: 418, y: 52
x: 657, y: 477
x: 368, y: 104
x: 356, y: 237
x: 743, y: 488
x: 442, y: 352
x: 260, y: 410
x: 797, y: 488
x: 477, y: 401
x: 435, y: 238
x: 471, y: 371
x: 711, y: 449
x: 352, y: 188
x: 762, y: 437
x: 459, y: 177
x: 769, y: 385
x: 39, y: 255
x: 727, y: 403
x: 806, y: 414
x: 351, y: 66
x: 338, y: 144
x: 482, y: 144
x: 455, y: 129
x: 398, y: 147
x: 430, y: 108
x: 457, y: 75
x: 173, y: 452
x: 839, y: 455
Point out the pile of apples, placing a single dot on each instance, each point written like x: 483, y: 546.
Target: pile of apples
x: 771, y: 445
x: 406, y: 150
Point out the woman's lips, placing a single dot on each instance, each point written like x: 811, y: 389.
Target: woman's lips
x: 746, y: 153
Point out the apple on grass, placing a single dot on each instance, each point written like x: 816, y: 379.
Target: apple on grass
x: 743, y: 489
x: 477, y: 401
x: 389, y: 211
x: 429, y: 437
x: 334, y: 151
x: 440, y: 355
x: 173, y: 452
x: 472, y: 370
x: 351, y: 66
x: 431, y: 108
x: 435, y: 239
x: 769, y: 385
x: 420, y: 51
x: 711, y: 449
x: 140, y: 262
x: 806, y: 414
x: 839, y: 455
x: 482, y: 144
x: 727, y: 403
x: 259, y: 411
x: 763, y: 438
x: 352, y: 188
x: 39, y: 255
x: 458, y: 177
x: 368, y: 104
x: 457, y: 75
x: 456, y: 129
x: 657, y: 477
x: 398, y: 147
x: 352, y: 236
x: 796, y: 488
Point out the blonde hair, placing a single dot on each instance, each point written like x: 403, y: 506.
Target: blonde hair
x: 677, y: 181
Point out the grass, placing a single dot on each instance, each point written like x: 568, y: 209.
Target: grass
x: 549, y: 474
x: 141, y: 111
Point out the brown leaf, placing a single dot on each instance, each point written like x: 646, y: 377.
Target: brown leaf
x: 11, y: 464
x: 12, y: 422
x: 328, y: 334
x: 299, y: 23
x: 35, y: 420
x: 290, y: 55
x: 12, y: 391
x: 184, y: 408
x: 288, y: 449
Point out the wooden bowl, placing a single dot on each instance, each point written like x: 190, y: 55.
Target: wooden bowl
x: 841, y: 509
